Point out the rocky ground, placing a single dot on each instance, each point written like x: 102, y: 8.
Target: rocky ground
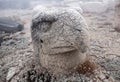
x: 105, y: 41
x: 16, y: 49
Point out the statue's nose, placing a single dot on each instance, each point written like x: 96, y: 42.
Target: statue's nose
x: 65, y: 38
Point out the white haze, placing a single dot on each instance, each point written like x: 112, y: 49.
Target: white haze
x: 86, y: 5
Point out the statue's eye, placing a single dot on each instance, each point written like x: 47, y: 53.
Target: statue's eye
x: 44, y: 26
x: 77, y: 29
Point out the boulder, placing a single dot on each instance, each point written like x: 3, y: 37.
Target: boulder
x: 9, y: 26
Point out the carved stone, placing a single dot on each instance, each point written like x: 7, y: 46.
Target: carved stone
x: 60, y: 39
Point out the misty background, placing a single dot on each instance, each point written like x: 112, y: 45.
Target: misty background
x: 24, y: 4
x: 80, y: 5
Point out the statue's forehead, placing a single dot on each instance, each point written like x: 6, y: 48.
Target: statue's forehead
x: 58, y: 15
x: 56, y: 12
x: 66, y: 16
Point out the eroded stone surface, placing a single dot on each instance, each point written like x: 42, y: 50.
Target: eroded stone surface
x: 60, y: 39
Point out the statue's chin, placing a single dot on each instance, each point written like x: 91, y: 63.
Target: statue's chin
x: 64, y: 63
x: 62, y: 60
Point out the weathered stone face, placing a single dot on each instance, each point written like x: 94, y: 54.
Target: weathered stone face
x: 60, y: 39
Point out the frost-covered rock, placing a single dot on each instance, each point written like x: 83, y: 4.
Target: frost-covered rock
x: 60, y: 39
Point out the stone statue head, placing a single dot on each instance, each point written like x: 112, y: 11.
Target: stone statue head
x: 60, y: 39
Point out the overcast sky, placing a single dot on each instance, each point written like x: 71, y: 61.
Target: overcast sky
x: 5, y: 4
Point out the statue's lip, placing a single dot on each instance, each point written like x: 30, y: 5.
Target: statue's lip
x: 61, y: 49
